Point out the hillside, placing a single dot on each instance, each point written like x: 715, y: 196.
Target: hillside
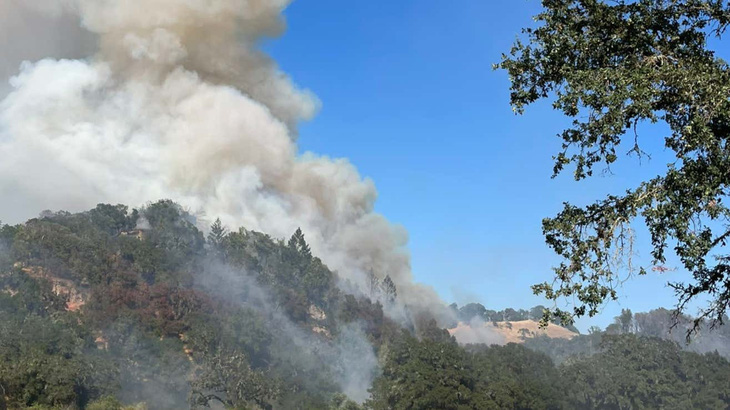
x: 508, y: 332
x: 119, y: 307
x: 138, y: 305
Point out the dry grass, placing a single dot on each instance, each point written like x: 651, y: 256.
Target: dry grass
x: 514, y: 332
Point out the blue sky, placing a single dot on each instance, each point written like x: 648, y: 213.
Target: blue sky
x: 409, y: 96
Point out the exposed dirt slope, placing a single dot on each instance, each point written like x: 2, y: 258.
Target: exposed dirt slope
x: 76, y: 295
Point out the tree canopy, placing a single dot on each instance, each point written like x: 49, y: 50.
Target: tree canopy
x: 614, y: 67
x: 170, y: 319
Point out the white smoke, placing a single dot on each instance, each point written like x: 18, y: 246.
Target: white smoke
x: 35, y: 29
x: 477, y: 332
x: 350, y: 357
x: 178, y: 102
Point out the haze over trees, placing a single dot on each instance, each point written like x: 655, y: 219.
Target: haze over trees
x: 612, y: 67
x: 472, y: 311
x: 116, y: 307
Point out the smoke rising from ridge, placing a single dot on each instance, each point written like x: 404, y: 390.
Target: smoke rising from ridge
x: 178, y: 102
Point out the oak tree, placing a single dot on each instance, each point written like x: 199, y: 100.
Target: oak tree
x: 614, y: 67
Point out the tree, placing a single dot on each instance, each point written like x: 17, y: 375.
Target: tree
x: 625, y: 321
x: 389, y: 289
x: 112, y: 218
x: 472, y: 310
x: 613, y: 67
x: 537, y: 312
x: 340, y: 401
x: 374, y: 284
x: 423, y: 375
x: 217, y: 234
x: 230, y: 380
x: 513, y: 377
x: 173, y: 230
x: 216, y: 237
x: 640, y: 373
x: 42, y: 360
x: 298, y: 243
x: 510, y: 314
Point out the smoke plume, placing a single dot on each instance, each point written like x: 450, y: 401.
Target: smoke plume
x: 31, y: 30
x: 179, y: 102
x: 350, y: 357
x: 477, y: 331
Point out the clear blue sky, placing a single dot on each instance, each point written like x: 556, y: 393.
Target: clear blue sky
x: 409, y: 96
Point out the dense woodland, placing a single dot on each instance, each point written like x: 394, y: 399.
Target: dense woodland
x: 116, y: 308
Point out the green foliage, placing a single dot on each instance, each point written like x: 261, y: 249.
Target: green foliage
x: 644, y: 373
x: 217, y: 235
x: 46, y: 357
x: 612, y: 67
x: 173, y: 230
x: 471, y: 311
x: 295, y: 276
x: 298, y: 244
x: 25, y: 295
x: 560, y: 350
x: 229, y: 379
x: 341, y: 402
x: 147, y: 329
x: 105, y: 403
x: 437, y: 373
x: 241, y: 330
x: 67, y: 246
x: 423, y: 375
x: 7, y: 236
x: 514, y: 377
x: 113, y: 219
x: 162, y: 326
x: 369, y: 316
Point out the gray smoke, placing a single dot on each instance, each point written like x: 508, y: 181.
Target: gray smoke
x: 349, y: 356
x: 36, y: 29
x: 477, y: 331
x: 179, y: 102
x: 661, y: 323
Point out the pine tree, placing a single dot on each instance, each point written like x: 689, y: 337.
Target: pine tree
x: 389, y: 289
x: 304, y: 249
x: 217, y: 234
x: 293, y: 240
x: 298, y: 243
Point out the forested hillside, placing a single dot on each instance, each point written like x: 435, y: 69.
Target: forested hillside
x: 120, y: 307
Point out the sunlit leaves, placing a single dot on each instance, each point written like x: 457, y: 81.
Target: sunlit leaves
x: 612, y: 66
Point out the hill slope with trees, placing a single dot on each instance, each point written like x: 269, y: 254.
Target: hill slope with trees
x: 137, y: 308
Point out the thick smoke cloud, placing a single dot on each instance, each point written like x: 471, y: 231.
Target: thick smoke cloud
x: 31, y: 30
x: 178, y: 102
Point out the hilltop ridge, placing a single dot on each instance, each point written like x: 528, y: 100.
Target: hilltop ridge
x: 508, y: 331
x: 117, y: 307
